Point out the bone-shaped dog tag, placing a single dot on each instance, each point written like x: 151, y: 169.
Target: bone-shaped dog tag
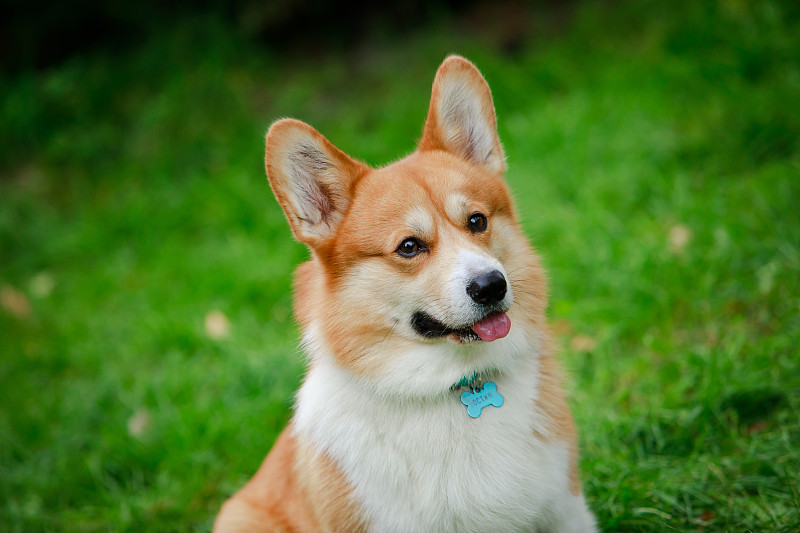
x: 478, y: 399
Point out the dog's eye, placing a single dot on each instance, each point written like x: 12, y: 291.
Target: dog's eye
x: 477, y: 222
x: 410, y: 247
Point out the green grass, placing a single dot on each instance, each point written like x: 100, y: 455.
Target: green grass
x: 134, y: 185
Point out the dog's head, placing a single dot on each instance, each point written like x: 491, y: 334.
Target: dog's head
x: 420, y: 274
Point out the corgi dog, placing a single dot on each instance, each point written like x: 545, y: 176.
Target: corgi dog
x: 432, y: 400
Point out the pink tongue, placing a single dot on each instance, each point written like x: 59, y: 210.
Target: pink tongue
x: 493, y: 327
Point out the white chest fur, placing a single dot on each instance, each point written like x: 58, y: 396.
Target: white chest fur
x: 428, y: 466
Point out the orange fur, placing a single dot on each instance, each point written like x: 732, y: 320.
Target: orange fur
x: 328, y: 492
x: 298, y: 487
x: 553, y: 405
x: 273, y: 500
x: 425, y: 179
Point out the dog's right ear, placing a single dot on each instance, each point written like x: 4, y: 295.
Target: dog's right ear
x: 311, y: 178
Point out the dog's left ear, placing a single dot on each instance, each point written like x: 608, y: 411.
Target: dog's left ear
x: 461, y: 117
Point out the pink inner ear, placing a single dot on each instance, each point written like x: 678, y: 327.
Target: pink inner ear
x: 309, y: 167
x: 310, y: 177
x: 461, y: 119
x: 318, y: 197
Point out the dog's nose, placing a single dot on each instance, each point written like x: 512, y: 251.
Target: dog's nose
x: 487, y: 288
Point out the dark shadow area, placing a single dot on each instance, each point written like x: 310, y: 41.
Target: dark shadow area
x: 33, y: 36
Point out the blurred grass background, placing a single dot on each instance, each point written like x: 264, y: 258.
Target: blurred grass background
x: 148, y: 351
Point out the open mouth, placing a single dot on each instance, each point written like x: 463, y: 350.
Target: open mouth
x: 493, y: 326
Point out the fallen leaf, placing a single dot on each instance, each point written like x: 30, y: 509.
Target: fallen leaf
x: 679, y: 236
x: 561, y: 326
x: 42, y: 284
x: 583, y: 343
x: 712, y: 338
x: 766, y: 277
x: 15, y: 302
x: 757, y: 427
x: 138, y: 423
x: 217, y: 325
x: 704, y: 519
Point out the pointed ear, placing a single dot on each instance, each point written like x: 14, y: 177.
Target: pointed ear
x: 311, y: 178
x: 461, y: 117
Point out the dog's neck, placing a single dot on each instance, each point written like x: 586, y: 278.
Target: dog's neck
x: 422, y: 372
x: 474, y: 380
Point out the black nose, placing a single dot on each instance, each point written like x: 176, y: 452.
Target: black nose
x: 487, y: 288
